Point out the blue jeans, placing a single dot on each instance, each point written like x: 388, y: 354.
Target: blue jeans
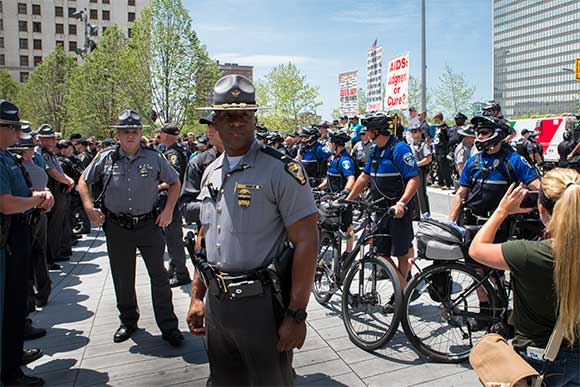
x: 564, y: 371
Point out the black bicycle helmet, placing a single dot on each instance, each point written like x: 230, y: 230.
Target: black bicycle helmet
x: 339, y: 137
x: 309, y: 134
x: 274, y: 138
x: 500, y: 127
x: 490, y: 108
x: 379, y: 121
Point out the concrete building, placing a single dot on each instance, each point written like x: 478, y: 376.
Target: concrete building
x: 30, y: 29
x: 234, y: 68
x: 533, y: 40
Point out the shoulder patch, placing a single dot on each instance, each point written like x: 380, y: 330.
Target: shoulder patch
x: 346, y: 164
x: 45, y: 156
x: 173, y: 159
x: 290, y: 166
x: 525, y: 162
x: 409, y: 159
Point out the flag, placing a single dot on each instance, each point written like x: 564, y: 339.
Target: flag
x: 374, y: 46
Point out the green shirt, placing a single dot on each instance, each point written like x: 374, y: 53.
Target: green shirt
x: 535, y: 304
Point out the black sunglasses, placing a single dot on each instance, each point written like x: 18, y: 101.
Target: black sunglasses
x: 484, y: 132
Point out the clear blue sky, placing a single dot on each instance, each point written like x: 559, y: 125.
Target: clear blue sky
x: 324, y: 38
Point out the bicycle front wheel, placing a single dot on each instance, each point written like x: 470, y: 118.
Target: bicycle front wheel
x: 441, y: 307
x: 371, y: 303
x: 325, y: 285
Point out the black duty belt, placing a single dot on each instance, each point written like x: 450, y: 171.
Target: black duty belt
x: 238, y: 286
x: 129, y: 221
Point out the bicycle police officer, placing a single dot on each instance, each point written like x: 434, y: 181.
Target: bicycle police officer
x: 484, y: 181
x: 130, y: 174
x: 341, y: 177
x: 177, y: 157
x: 313, y: 155
x: 487, y: 175
x: 393, y: 174
x: 253, y: 199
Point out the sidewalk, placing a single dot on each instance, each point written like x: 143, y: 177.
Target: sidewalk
x: 81, y: 319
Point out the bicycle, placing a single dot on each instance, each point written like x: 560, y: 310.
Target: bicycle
x: 442, y: 303
x: 368, y: 283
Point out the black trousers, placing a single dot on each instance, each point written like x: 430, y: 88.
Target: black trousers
x: 56, y: 222
x: 242, y: 351
x: 40, y: 276
x: 175, y: 247
x: 122, y: 245
x: 444, y: 169
x: 423, y: 199
x: 17, y: 259
x: 66, y: 238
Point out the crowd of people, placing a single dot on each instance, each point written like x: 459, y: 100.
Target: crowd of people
x: 142, y: 190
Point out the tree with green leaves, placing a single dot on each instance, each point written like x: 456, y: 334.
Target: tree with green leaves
x: 171, y: 59
x: 415, y: 94
x: 100, y: 87
x: 362, y: 100
x: 43, y: 97
x: 8, y: 86
x: 288, y: 96
x: 454, y: 93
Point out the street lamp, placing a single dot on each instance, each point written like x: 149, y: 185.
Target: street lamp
x: 90, y: 30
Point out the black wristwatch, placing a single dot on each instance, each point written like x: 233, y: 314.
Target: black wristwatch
x: 299, y: 315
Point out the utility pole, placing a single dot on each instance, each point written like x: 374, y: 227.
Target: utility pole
x: 423, y: 60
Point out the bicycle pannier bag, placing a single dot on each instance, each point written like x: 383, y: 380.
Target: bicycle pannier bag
x: 439, y: 241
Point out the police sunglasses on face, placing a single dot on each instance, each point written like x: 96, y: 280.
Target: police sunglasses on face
x: 12, y: 128
x: 484, y: 132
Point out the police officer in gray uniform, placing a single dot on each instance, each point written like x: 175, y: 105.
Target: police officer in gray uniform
x: 190, y: 206
x: 130, y: 174
x: 175, y: 154
x: 60, y: 184
x: 253, y: 199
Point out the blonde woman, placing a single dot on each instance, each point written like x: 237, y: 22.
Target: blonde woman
x: 545, y: 274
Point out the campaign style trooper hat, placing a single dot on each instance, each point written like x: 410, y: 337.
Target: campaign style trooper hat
x: 129, y: 119
x: 9, y: 114
x: 170, y: 129
x: 45, y: 130
x: 233, y: 92
x: 25, y: 142
x: 207, y: 120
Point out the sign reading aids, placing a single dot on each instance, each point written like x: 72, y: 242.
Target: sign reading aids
x: 397, y: 87
x: 374, y: 77
x: 347, y: 85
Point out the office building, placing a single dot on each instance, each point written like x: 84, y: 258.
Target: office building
x: 234, y: 68
x: 30, y: 29
x: 535, y: 43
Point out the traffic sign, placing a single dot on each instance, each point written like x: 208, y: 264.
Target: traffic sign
x: 578, y: 69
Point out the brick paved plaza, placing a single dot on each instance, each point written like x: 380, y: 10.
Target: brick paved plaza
x: 81, y: 318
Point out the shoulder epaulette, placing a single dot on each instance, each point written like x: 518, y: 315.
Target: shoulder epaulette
x: 291, y: 166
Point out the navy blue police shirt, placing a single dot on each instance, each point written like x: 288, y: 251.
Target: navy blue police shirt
x: 489, y: 176
x: 314, y: 159
x: 390, y: 173
x: 339, y: 169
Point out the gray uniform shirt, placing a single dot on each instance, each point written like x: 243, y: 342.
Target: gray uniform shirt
x: 464, y: 152
x: 132, y: 188
x: 38, y: 176
x: 245, y: 211
x: 51, y: 161
x: 421, y: 149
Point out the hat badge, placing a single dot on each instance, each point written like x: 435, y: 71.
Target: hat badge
x: 235, y: 92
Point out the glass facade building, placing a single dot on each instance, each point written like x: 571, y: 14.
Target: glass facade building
x: 533, y: 42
